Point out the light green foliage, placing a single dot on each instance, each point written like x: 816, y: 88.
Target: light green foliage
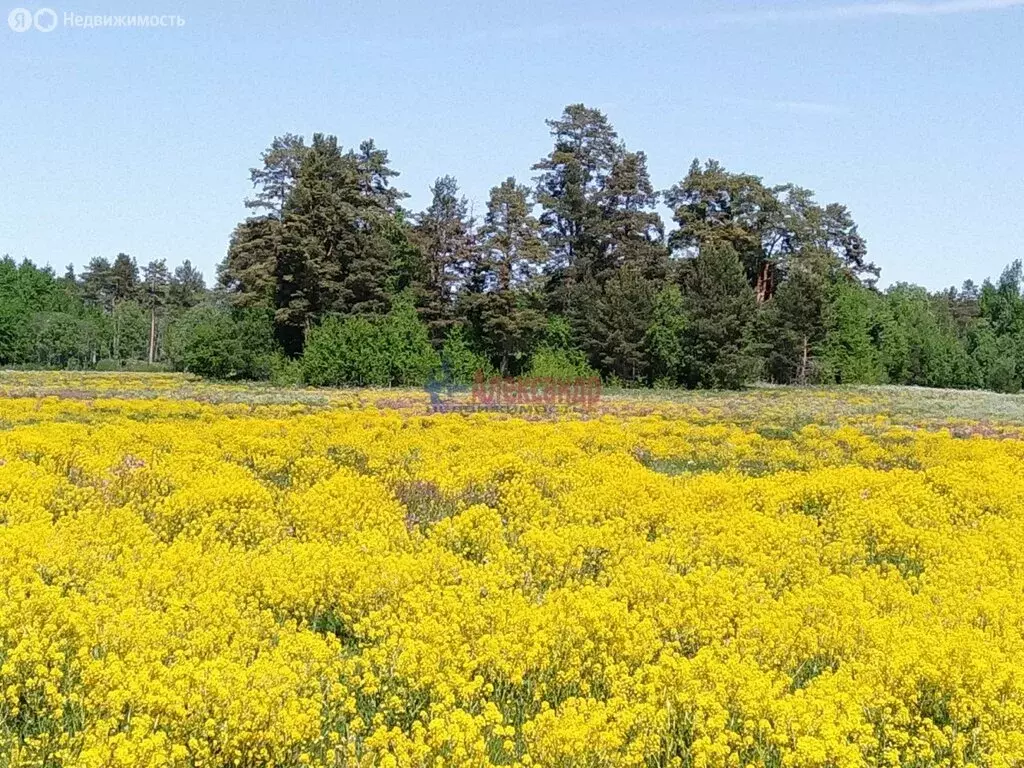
x: 390, y: 351
x: 560, y: 364
x: 666, y: 336
x: 285, y: 371
x: 850, y: 355
x: 920, y: 345
x: 345, y: 351
x: 412, y: 360
x: 556, y: 356
x: 223, y: 344
x: 458, y: 360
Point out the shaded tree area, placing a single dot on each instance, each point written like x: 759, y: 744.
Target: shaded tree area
x: 111, y: 316
x: 330, y: 240
x: 331, y: 280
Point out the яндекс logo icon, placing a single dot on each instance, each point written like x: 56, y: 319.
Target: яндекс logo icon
x: 20, y: 19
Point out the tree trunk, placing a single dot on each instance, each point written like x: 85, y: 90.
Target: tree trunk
x: 803, y: 364
x: 764, y: 288
x: 152, y: 334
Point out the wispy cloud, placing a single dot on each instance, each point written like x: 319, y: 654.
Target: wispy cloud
x: 852, y: 11
x: 819, y: 12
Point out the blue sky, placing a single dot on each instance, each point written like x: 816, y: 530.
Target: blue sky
x: 140, y: 140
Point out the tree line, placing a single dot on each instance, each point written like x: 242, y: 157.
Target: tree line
x: 332, y: 280
x: 112, y: 313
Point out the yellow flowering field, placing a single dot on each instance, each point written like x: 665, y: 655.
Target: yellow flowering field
x: 210, y: 575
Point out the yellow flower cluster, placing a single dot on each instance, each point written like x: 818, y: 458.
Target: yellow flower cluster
x: 212, y: 576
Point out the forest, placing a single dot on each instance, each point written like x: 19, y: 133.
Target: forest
x: 570, y: 271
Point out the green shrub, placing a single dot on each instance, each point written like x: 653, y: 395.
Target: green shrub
x: 411, y: 359
x: 560, y: 364
x: 285, y: 371
x: 394, y: 350
x: 144, y: 366
x: 345, y: 351
x: 1002, y: 377
x: 458, y: 360
x: 221, y: 344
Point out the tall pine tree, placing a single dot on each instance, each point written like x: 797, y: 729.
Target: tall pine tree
x: 503, y: 303
x: 446, y: 238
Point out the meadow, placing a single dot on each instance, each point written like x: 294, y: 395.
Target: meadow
x: 196, y: 574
